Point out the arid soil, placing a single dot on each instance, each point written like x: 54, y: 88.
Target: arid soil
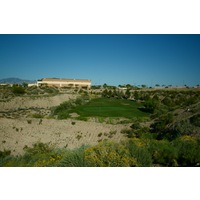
x: 38, y: 102
x: 19, y: 129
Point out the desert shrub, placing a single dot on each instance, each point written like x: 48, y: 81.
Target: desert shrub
x: 149, y: 106
x: 8, y: 161
x: 109, y: 154
x: 163, y: 153
x: 49, y: 160
x: 188, y: 150
x: 63, y: 107
x: 135, y: 126
x: 144, y: 133
x: 100, y: 134
x: 195, y: 120
x: 167, y: 101
x: 125, y: 121
x: 159, y: 111
x: 160, y: 126
x: 100, y: 119
x: 78, y: 137
x: 127, y: 94
x: 25, y: 85
x: 137, y: 131
x: 4, y: 153
x: 184, y: 151
x: 112, y: 133
x: 139, y: 150
x: 184, y: 128
x: 38, y: 147
x: 29, y: 121
x: 37, y: 115
x: 79, y: 101
x: 73, y: 158
x: 63, y: 110
x: 49, y: 90
x: 128, y: 132
x: 63, y: 115
x: 105, y: 93
x: 18, y: 90
x: 34, y: 91
x: 40, y: 154
x: 82, y: 118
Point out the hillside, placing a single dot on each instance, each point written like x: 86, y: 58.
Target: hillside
x: 15, y: 81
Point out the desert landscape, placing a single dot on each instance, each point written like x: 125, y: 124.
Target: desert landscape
x: 19, y: 127
x: 106, y: 126
x: 87, y: 100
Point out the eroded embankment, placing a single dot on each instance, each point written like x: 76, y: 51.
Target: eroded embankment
x: 16, y: 133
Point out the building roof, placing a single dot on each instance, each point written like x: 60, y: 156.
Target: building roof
x: 66, y: 80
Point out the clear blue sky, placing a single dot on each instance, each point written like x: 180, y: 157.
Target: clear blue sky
x: 112, y: 59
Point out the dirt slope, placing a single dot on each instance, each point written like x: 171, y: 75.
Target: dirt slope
x: 16, y: 133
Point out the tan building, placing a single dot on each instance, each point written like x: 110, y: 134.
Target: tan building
x: 70, y: 83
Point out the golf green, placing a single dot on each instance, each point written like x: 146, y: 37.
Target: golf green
x: 110, y: 107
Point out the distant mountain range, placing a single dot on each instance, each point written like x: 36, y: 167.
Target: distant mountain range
x: 15, y: 81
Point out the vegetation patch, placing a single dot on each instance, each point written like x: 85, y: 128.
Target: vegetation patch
x: 37, y: 115
x: 141, y: 152
x: 103, y: 109
x: 171, y: 138
x: 18, y: 90
x: 110, y: 107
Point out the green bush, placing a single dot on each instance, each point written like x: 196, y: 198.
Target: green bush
x: 128, y: 132
x: 100, y: 134
x: 135, y: 126
x: 142, y: 152
x: 18, y: 90
x: 82, y: 100
x: 160, y: 126
x: 38, y: 148
x: 149, y: 105
x: 82, y: 118
x: 37, y: 115
x: 29, y: 121
x: 63, y: 115
x: 63, y: 107
x: 4, y: 153
x: 40, y: 155
x: 73, y: 158
x: 184, y: 128
x: 188, y: 151
x: 163, y: 153
x: 195, y: 120
x: 139, y: 151
x: 109, y: 154
x: 63, y: 110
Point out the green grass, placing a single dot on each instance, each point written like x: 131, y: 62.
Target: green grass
x: 104, y: 107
